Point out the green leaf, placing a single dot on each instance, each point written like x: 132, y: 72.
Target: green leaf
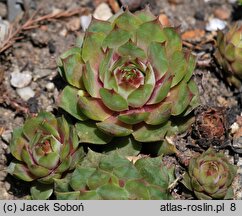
x: 69, y: 103
x: 89, y: 133
x: 49, y: 179
x: 113, y: 161
x: 71, y: 67
x: 80, y: 176
x: 49, y: 160
x: 74, y: 195
x: 93, y: 108
x: 157, y: 193
x: 116, y: 38
x: 132, y: 51
x: 159, y: 61
x: 62, y: 185
x: 180, y: 96
x: 140, y: 96
x: 92, y: 159
x: 137, y: 190
x: 127, y: 21
x: 112, y: 192
x: 77, y: 157
x: 20, y: 171
x: 105, y: 64
x: 125, y: 146
x: 154, y: 171
x: 92, y: 40
x: 150, y: 133
x: 99, y: 26
x: 38, y: 170
x: 41, y: 191
x: 91, y: 80
x: 150, y: 31
x: 64, y: 165
x: 89, y: 195
x: 195, y: 102
x: 64, y: 133
x: 113, y: 100
x: 133, y: 117
x: 97, y: 179
x: 173, y: 40
x: 191, y: 64
x: 17, y: 143
x: 145, y: 15
x: 159, y: 114
x: 166, y: 148
x: 114, y: 127
x: 178, y: 67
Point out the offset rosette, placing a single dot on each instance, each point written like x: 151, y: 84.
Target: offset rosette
x: 210, y: 176
x: 229, y: 54
x: 129, y: 76
x: 44, y: 148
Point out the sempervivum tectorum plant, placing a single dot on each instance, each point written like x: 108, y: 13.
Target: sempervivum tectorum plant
x: 210, y: 176
x: 44, y: 148
x: 229, y: 54
x: 129, y: 76
x: 112, y: 177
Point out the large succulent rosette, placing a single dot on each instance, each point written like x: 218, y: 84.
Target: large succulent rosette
x: 129, y: 75
x: 229, y: 54
x: 210, y: 176
x: 44, y: 148
x: 114, y: 177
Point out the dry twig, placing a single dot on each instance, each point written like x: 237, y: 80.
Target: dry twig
x: 32, y: 23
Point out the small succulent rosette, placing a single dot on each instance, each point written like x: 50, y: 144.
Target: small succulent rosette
x: 44, y: 148
x: 210, y: 176
x: 129, y: 76
x: 229, y: 54
x: 114, y: 177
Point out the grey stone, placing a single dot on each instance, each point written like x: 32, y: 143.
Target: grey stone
x: 25, y: 93
x: 20, y: 80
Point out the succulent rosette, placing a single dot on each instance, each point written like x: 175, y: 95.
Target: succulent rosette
x: 210, y: 176
x: 229, y: 54
x: 130, y: 75
x: 44, y: 148
x: 114, y: 177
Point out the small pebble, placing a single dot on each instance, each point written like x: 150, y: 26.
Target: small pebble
x: 222, y: 13
x: 4, y: 28
x: 215, y: 24
x: 74, y: 24
x: 85, y: 21
x: 103, y: 12
x: 25, y: 93
x: 234, y: 127
x: 63, y: 32
x: 6, y: 136
x: 20, y: 80
x: 132, y: 4
x: 3, y: 10
x: 50, y: 86
x: 232, y: 1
